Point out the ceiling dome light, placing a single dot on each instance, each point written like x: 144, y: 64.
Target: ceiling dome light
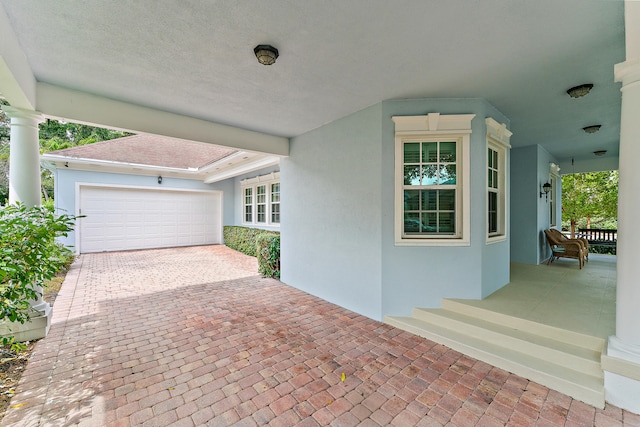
x: 266, y: 54
x: 592, y: 128
x: 580, y: 91
x: 600, y: 153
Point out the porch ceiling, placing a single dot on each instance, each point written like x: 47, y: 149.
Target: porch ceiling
x: 337, y: 57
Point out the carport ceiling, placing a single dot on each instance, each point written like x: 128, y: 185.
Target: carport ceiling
x: 337, y: 57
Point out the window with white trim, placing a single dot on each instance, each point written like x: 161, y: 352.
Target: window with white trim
x: 248, y: 205
x: 432, y: 179
x: 261, y: 200
x: 275, y: 203
x: 497, y: 145
x: 261, y: 204
x: 430, y: 187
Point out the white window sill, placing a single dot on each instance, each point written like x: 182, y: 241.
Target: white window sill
x: 496, y: 239
x: 432, y: 242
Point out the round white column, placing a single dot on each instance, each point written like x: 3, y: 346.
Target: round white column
x: 24, y: 160
x: 24, y: 170
x: 628, y: 285
x: 621, y: 363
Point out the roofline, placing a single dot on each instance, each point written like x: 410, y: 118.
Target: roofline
x: 80, y: 160
x: 52, y: 161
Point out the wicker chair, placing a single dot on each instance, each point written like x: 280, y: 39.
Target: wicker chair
x: 562, y: 238
x: 564, y: 249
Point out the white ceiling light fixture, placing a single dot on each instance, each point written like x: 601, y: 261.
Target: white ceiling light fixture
x: 266, y: 54
x: 580, y: 91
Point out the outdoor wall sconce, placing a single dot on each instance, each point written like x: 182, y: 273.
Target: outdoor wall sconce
x: 266, y: 54
x: 545, y: 188
x: 600, y: 153
x: 592, y: 128
x: 159, y: 179
x: 580, y: 91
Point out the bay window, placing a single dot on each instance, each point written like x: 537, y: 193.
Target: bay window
x: 261, y: 200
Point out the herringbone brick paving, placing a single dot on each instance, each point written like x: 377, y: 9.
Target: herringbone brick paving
x: 193, y: 337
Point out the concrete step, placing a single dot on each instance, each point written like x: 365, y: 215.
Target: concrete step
x: 550, y: 356
x: 564, y: 335
x: 545, y: 347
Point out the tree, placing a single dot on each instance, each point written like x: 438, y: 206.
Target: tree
x: 589, y: 196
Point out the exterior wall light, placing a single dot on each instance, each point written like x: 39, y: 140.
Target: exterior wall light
x: 159, y: 179
x: 580, y: 91
x: 600, y: 153
x: 266, y: 54
x: 592, y: 128
x: 545, y: 189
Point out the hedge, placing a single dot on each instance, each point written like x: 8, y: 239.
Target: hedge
x: 268, y: 246
x: 262, y: 244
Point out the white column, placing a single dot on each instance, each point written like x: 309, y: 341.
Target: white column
x: 24, y: 160
x: 622, y: 363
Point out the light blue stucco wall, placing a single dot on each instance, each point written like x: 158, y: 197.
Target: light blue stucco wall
x: 338, y: 217
x: 422, y: 276
x: 529, y: 211
x: 524, y: 205
x: 331, y: 212
x: 66, y: 179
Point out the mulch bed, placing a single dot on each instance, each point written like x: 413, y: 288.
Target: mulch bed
x: 13, y: 364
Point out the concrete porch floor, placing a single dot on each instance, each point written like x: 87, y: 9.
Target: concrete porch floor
x: 193, y: 337
x: 561, y: 295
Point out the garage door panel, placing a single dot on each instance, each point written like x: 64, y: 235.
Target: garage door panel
x: 123, y: 219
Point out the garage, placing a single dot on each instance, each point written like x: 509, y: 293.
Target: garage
x: 127, y: 218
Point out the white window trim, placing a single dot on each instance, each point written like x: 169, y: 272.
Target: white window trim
x: 498, y: 138
x: 253, y: 183
x: 554, y: 177
x: 455, y: 126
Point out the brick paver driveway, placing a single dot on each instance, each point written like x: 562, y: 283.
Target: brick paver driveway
x: 193, y: 337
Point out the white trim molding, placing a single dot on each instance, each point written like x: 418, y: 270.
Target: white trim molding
x: 498, y: 140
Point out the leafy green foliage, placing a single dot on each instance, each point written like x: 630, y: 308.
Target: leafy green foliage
x: 243, y: 239
x: 268, y: 248
x: 54, y: 135
x: 263, y: 244
x: 29, y: 256
x: 590, y: 200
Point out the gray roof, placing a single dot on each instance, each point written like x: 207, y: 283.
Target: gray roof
x: 150, y: 150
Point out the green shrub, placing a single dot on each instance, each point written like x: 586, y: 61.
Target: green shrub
x: 268, y: 247
x: 243, y: 239
x: 262, y: 244
x: 602, y: 249
x: 29, y: 256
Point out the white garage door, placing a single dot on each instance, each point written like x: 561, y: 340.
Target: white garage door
x: 124, y: 218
